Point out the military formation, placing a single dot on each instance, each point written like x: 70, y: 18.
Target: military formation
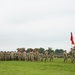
x: 35, y: 55
x: 25, y: 56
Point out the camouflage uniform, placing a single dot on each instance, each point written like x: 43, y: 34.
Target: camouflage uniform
x: 1, y: 55
x: 31, y: 55
x: 16, y: 55
x: 5, y: 55
x: 46, y: 55
x: 12, y: 55
x: 36, y: 56
x: 8, y: 55
x: 51, y: 56
x: 41, y: 56
x: 28, y: 56
x: 19, y: 55
x: 72, y: 55
x: 65, y: 56
x: 24, y: 56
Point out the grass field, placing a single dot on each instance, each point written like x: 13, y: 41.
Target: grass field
x: 57, y: 67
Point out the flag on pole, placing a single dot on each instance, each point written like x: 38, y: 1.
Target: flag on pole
x: 71, y: 39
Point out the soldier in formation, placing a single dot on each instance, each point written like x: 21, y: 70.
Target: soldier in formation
x: 46, y: 55
x: 24, y: 56
x: 72, y: 55
x: 36, y: 55
x: 65, y: 56
x: 51, y: 55
x: 41, y: 56
x: 33, y: 55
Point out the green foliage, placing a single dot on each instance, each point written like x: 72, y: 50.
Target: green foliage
x: 21, y: 49
x: 50, y: 50
x: 41, y: 50
x: 59, y: 51
x: 29, y: 49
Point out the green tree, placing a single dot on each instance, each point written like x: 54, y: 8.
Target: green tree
x: 29, y: 49
x: 59, y: 52
x: 20, y: 49
x: 50, y: 50
x: 41, y: 50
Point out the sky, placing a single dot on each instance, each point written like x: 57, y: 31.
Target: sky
x: 36, y: 23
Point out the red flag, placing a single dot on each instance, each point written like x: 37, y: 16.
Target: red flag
x: 71, y: 38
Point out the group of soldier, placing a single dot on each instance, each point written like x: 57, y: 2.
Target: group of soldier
x: 34, y: 55
x: 72, y: 55
x: 26, y: 56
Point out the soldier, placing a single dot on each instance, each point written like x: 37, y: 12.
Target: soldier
x: 4, y: 55
x: 15, y: 55
x: 28, y: 56
x: 24, y: 57
x: 41, y: 56
x: 1, y: 55
x: 65, y: 56
x: 6, y: 58
x: 72, y: 55
x: 8, y: 55
x: 36, y: 55
x: 51, y: 56
x: 12, y: 55
x: 46, y: 55
x: 31, y: 55
x: 74, y: 52
x: 19, y: 55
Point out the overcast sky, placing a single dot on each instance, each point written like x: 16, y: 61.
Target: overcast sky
x: 36, y: 23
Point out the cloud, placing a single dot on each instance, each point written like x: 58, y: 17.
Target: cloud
x: 36, y: 23
x: 20, y: 11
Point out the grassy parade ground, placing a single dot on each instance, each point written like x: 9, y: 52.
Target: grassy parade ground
x: 57, y: 67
